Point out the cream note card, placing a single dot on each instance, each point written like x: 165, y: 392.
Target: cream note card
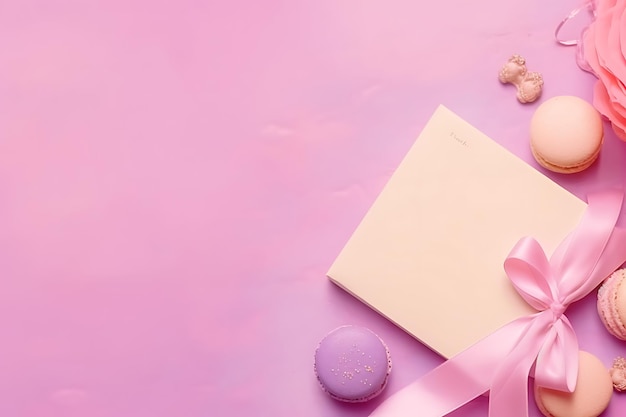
x: 429, y: 253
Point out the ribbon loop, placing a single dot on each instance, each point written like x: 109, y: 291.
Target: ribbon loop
x: 529, y: 271
x: 589, y: 5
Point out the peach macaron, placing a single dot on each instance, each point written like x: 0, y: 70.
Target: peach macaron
x: 566, y: 134
x: 592, y: 395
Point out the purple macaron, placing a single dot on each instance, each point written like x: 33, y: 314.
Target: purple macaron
x: 352, y: 364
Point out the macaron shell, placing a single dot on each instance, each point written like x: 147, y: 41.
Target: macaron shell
x: 612, y: 304
x: 591, y: 397
x: 564, y: 169
x: 566, y: 134
x: 352, y: 364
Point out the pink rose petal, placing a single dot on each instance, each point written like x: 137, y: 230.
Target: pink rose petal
x: 618, y: 107
x: 614, y: 60
x: 601, y: 100
x: 602, y: 103
x: 622, y: 34
x: 593, y: 48
x: 604, y: 50
x: 617, y: 61
x: 595, y: 54
x: 602, y: 26
x: 603, y: 6
x: 617, y: 96
x: 615, y: 90
x: 590, y: 54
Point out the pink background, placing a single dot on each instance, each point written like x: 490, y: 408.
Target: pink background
x: 176, y: 178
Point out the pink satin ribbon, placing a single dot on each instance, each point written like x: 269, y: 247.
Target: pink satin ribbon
x: 543, y: 344
x: 589, y: 5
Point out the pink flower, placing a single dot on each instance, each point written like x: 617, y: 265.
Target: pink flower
x: 604, y: 49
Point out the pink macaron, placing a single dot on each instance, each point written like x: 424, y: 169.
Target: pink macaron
x: 612, y: 304
x: 566, y: 134
x: 590, y: 398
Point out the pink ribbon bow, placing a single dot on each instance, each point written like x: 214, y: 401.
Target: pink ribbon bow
x: 502, y: 362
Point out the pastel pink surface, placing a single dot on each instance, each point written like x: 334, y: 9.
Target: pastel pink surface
x: 176, y: 179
